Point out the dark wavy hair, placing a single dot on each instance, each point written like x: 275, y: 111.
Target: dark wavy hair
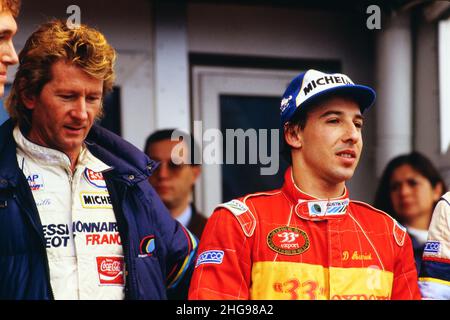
x: 419, y: 163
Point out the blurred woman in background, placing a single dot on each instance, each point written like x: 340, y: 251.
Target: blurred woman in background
x: 409, y: 189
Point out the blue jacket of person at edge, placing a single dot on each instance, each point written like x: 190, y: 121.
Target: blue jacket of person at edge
x: 24, y: 270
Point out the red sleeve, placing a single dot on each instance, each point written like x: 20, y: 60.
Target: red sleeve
x: 223, y: 265
x: 405, y: 286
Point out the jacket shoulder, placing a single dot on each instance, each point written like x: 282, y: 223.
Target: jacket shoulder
x: 118, y: 153
x: 446, y: 198
x: 398, y: 231
x: 241, y: 211
x: 6, y: 136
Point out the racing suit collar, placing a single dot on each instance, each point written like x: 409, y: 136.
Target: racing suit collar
x: 52, y: 157
x: 308, y: 207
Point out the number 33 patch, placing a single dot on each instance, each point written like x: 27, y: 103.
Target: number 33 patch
x: 288, y: 240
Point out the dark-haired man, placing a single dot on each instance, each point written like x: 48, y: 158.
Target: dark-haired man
x: 176, y: 174
x: 308, y: 240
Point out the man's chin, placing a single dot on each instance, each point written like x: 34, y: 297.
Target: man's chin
x: 164, y: 197
x: 345, y: 175
x: 70, y: 145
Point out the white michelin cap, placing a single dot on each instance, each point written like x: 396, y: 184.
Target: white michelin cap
x: 312, y: 84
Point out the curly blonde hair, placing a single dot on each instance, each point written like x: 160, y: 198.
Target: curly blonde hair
x: 54, y: 41
x: 12, y: 6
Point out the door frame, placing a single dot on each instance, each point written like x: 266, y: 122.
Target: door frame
x: 208, y: 83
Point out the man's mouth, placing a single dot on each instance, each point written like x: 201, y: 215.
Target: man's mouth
x: 350, y: 154
x: 73, y: 128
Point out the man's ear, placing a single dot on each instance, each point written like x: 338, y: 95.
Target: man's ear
x: 293, y: 136
x: 196, y: 170
x: 29, y: 102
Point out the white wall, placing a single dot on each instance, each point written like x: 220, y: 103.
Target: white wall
x: 426, y: 97
x: 171, y: 67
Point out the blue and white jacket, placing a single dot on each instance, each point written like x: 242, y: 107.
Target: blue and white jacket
x: 24, y: 270
x: 434, y: 278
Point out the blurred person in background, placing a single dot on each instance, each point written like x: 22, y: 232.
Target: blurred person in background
x: 9, y: 10
x: 409, y: 188
x: 174, y: 179
x: 434, y: 280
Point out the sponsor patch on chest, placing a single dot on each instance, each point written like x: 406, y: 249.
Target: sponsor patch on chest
x: 327, y: 208
x: 288, y: 240
x: 35, y: 181
x: 95, y: 179
x: 95, y: 200
x: 110, y: 271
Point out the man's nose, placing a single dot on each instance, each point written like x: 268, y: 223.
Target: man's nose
x: 163, y: 170
x: 79, y: 109
x: 352, y: 133
x: 10, y: 56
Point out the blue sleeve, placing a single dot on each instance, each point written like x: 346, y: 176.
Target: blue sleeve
x: 181, y: 250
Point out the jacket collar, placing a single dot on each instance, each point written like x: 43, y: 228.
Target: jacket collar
x: 129, y: 164
x: 47, y: 156
x: 311, y: 208
x: 41, y: 154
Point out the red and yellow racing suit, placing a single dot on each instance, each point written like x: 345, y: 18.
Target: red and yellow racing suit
x: 285, y: 244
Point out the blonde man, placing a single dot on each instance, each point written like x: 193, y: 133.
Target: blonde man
x: 79, y: 218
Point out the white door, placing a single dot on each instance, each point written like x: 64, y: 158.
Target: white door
x: 211, y: 87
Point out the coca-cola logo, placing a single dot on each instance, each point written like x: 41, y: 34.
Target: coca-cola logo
x: 111, y: 270
x: 111, y: 266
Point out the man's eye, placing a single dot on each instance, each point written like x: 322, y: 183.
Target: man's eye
x: 93, y: 99
x: 359, y: 125
x: 175, y: 166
